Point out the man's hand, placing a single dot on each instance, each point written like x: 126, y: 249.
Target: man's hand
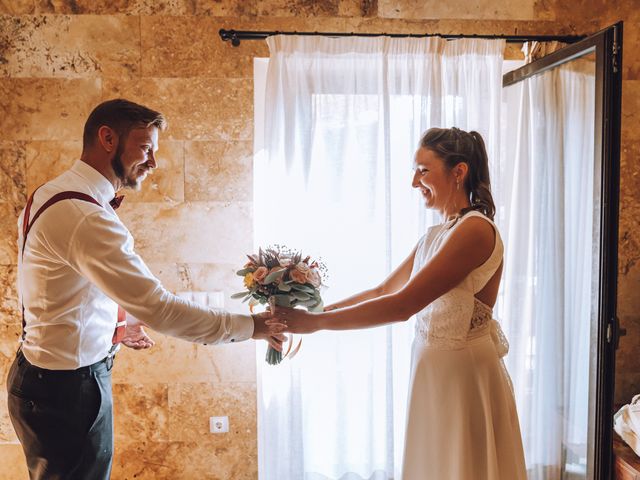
x: 266, y: 327
x: 135, y: 337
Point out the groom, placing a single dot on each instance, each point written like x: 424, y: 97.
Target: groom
x: 78, y: 275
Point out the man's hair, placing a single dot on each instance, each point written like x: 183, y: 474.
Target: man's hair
x: 121, y: 115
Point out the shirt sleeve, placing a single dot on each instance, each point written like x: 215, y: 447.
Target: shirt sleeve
x: 101, y: 249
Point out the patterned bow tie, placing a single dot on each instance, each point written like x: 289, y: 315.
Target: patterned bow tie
x: 116, y: 201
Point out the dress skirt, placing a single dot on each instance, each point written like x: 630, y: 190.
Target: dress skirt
x: 462, y: 422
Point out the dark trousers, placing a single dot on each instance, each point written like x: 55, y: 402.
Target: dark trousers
x: 63, y: 419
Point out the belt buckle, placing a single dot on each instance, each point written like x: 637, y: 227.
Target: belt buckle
x: 109, y: 362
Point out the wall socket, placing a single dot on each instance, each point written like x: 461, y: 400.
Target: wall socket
x: 218, y: 424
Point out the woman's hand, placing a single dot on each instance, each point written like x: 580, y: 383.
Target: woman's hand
x: 276, y: 341
x: 297, y: 320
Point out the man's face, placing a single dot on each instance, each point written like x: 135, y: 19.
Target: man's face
x: 135, y: 156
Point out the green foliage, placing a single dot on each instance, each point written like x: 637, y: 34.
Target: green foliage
x: 273, y: 276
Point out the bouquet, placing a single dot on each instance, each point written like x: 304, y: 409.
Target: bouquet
x: 278, y: 276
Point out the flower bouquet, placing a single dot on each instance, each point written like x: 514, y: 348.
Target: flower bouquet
x: 278, y: 276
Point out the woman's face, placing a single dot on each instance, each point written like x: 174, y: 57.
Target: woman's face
x: 433, y: 179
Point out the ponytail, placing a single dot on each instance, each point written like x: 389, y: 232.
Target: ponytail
x: 478, y: 181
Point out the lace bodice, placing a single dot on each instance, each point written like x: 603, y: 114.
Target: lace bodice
x: 448, y: 321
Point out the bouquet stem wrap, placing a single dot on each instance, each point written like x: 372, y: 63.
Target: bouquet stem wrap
x: 273, y: 357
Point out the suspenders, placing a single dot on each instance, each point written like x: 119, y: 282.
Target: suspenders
x: 26, y: 227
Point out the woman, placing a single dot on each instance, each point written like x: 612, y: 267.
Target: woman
x: 461, y: 418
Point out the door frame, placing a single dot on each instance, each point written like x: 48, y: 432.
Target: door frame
x: 607, y: 45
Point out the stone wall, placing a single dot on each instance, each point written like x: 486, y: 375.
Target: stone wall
x: 192, y: 222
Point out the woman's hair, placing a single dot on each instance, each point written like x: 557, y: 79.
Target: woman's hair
x: 454, y: 146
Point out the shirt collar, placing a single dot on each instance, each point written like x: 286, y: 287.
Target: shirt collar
x: 101, y: 188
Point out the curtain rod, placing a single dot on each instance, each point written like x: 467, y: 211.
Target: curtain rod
x: 234, y: 36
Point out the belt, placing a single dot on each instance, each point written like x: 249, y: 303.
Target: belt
x: 105, y: 364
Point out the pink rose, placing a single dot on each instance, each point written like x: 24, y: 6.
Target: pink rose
x: 313, y: 277
x: 302, y: 267
x: 285, y: 262
x: 298, y: 276
x: 260, y: 274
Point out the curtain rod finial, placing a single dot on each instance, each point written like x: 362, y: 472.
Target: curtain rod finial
x: 229, y: 35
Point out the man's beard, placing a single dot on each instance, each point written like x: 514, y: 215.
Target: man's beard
x: 118, y: 169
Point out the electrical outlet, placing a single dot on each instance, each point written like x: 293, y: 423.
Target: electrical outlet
x: 218, y: 424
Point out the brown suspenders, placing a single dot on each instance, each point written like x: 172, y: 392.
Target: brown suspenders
x: 26, y: 225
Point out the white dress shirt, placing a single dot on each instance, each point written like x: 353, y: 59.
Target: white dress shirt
x: 79, y: 264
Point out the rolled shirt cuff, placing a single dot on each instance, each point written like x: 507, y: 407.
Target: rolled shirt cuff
x: 242, y: 327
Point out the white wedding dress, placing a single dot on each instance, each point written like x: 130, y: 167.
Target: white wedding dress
x: 462, y: 422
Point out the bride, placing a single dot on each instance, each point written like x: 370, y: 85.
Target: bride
x: 461, y: 417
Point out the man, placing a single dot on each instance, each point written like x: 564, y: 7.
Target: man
x: 77, y: 265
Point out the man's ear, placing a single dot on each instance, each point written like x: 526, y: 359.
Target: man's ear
x: 107, y: 138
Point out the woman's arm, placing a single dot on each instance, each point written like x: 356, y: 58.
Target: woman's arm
x: 394, y: 282
x: 468, y: 248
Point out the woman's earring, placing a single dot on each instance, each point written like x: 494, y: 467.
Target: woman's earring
x: 458, y: 186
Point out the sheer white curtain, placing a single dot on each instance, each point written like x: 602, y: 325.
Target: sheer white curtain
x: 547, y: 222
x: 332, y: 175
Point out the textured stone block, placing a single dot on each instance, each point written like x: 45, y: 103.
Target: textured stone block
x: 629, y: 211
x: 40, y: 164
x: 357, y: 8
x: 196, y: 108
x: 14, y: 465
x: 9, y: 336
x: 211, y: 232
x: 631, y: 55
x: 219, y: 171
x: 191, y: 405
x: 203, y: 277
x: 69, y: 46
x: 298, y: 8
x: 627, y: 386
x: 100, y: 7
x: 630, y: 111
x: 182, y: 460
x: 17, y: 7
x: 9, y: 305
x: 173, y: 361
x: 12, y: 173
x: 9, y: 213
x: 46, y: 109
x: 181, y: 277
x: 627, y: 354
x: 47, y: 159
x: 140, y: 412
x: 195, y: 453
x: 226, y: 8
x: 7, y: 433
x: 460, y: 9
x: 192, y: 47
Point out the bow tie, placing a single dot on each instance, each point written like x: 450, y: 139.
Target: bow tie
x: 116, y: 201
